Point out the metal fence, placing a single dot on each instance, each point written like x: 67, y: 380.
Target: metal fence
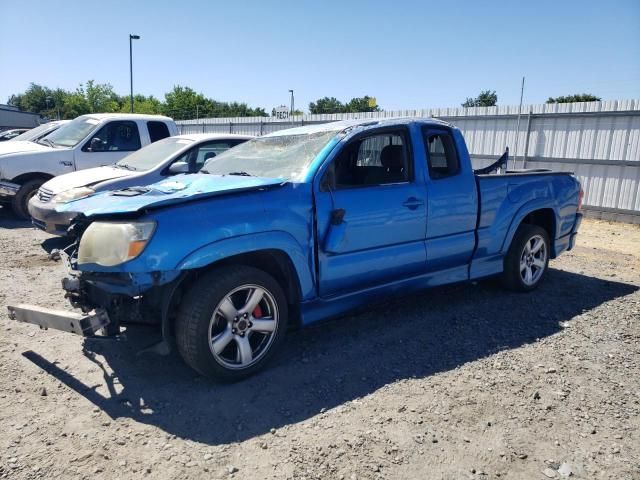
x: 599, y: 141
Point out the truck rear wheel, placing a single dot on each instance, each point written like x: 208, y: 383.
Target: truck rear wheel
x: 231, y: 322
x: 21, y: 199
x: 527, y: 260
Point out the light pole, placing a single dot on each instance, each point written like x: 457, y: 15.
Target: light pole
x: 291, y: 92
x: 131, y: 38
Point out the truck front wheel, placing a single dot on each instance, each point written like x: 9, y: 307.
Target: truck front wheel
x: 21, y: 199
x: 527, y: 260
x: 231, y: 322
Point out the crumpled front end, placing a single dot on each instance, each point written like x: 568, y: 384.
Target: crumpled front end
x: 106, y: 300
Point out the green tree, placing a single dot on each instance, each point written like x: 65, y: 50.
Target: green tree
x: 184, y: 103
x: 326, y: 105
x: 141, y: 104
x: 58, y: 97
x: 180, y: 103
x: 34, y: 99
x: 360, y: 104
x: 75, y: 104
x: 100, y: 97
x: 487, y: 98
x: 580, y: 97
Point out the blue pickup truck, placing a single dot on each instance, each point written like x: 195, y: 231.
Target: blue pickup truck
x: 301, y: 225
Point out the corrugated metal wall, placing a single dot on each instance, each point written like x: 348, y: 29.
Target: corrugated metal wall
x: 599, y: 141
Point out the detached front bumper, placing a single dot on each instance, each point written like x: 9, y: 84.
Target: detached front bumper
x: 8, y: 190
x: 45, y: 217
x: 85, y: 325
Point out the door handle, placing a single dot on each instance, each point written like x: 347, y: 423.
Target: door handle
x: 412, y: 203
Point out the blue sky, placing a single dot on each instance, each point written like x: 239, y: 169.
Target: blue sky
x: 407, y: 53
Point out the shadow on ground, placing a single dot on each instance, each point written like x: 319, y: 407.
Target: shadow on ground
x: 9, y: 220
x: 326, y: 366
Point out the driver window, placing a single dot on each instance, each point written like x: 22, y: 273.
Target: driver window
x: 378, y: 159
x: 119, y: 136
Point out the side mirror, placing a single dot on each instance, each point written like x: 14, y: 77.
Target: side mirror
x: 179, y: 167
x: 96, y: 144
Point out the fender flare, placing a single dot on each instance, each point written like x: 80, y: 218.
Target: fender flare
x: 523, y: 211
x: 272, y: 240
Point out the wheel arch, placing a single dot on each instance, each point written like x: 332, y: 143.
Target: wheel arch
x: 274, y: 261
x: 540, y: 214
x: 25, y: 177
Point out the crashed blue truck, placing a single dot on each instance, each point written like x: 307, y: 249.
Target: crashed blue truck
x: 302, y: 225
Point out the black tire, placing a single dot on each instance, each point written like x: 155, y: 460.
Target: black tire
x: 21, y: 199
x: 192, y: 328
x: 512, y: 276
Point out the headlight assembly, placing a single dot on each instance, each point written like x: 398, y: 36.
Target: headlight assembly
x: 113, y: 243
x: 73, y: 194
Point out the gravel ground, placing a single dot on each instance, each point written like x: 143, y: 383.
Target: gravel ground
x: 461, y: 382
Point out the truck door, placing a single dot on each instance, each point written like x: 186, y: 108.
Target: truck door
x: 113, y: 141
x: 452, y: 206
x: 371, y: 214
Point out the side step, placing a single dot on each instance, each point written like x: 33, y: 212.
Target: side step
x: 72, y: 322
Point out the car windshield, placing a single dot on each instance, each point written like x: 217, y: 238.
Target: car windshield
x: 72, y: 133
x: 150, y: 156
x: 33, y: 134
x: 282, y: 156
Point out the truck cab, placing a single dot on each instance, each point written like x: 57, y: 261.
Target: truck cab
x: 88, y: 141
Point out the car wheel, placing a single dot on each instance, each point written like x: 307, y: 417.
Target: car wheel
x: 231, y: 322
x: 21, y: 199
x: 527, y: 260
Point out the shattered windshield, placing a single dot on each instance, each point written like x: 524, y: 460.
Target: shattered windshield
x: 282, y: 156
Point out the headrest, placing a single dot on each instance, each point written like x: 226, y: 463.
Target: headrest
x: 209, y: 155
x: 392, y: 157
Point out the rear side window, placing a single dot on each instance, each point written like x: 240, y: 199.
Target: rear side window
x: 157, y: 131
x: 442, y: 156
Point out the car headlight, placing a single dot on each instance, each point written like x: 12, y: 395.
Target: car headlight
x: 113, y: 243
x: 73, y: 194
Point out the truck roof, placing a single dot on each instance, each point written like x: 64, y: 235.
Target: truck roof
x: 128, y: 116
x: 361, y: 122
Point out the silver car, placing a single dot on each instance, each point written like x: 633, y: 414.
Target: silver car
x: 172, y: 155
x: 42, y: 131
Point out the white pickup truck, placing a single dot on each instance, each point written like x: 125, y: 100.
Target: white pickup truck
x: 88, y: 141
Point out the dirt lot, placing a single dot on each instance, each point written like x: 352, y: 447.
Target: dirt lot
x: 461, y: 382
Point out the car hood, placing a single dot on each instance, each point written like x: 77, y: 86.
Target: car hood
x: 177, y: 189
x: 19, y: 146
x: 85, y: 178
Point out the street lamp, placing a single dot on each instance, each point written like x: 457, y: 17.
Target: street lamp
x: 291, y: 92
x: 131, y: 38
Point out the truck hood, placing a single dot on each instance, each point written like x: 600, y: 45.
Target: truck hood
x: 178, y: 189
x: 85, y: 178
x: 22, y: 147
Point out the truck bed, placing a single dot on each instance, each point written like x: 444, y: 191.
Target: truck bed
x: 505, y: 199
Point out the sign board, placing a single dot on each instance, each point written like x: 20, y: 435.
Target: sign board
x: 282, y: 112
x: 372, y: 102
